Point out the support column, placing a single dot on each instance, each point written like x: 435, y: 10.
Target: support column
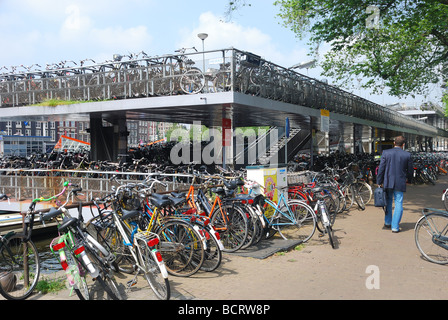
x: 120, y: 146
x: 107, y: 143
x: 100, y: 144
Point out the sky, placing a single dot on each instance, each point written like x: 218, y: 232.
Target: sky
x: 50, y: 31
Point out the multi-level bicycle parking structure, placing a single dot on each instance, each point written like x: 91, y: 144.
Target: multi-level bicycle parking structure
x: 181, y: 73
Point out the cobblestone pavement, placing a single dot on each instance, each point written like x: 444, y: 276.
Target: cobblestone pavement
x: 316, y: 271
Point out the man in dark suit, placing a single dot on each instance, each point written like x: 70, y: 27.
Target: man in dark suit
x: 395, y: 167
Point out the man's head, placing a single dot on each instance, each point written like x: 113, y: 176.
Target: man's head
x: 399, y: 141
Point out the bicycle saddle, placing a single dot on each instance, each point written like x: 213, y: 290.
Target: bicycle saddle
x: 129, y: 214
x: 160, y: 201
x: 178, y: 194
x: 177, y: 200
x: 218, y: 190
x: 233, y: 184
x: 67, y: 223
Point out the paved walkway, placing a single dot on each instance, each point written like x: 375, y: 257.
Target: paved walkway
x: 317, y: 271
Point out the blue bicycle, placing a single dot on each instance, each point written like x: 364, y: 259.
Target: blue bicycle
x: 292, y: 219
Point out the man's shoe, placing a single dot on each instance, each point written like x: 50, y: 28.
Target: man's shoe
x: 386, y: 226
x: 396, y: 231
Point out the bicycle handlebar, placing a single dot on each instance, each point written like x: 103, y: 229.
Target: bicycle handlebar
x: 66, y: 185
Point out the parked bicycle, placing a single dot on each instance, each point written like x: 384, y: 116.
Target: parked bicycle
x: 136, y: 249
x: 180, y: 72
x: 87, y: 255
x: 19, y: 258
x: 431, y: 235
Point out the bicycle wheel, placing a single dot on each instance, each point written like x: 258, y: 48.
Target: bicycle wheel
x: 364, y: 190
x: 123, y: 257
x: 430, y: 237
x: 232, y: 225
x: 106, y: 277
x: 298, y: 223
x: 222, y: 82
x: 329, y: 231
x: 181, y: 247
x: 20, y: 267
x: 260, y: 232
x: 358, y: 198
x: 192, y: 81
x: 252, y: 226
x: 349, y: 199
x: 331, y: 212
x: 445, y: 200
x: 77, y: 276
x: 152, y: 273
x: 334, y: 194
x: 212, y: 253
x: 109, y: 284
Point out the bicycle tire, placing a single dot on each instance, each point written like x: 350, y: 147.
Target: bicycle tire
x: 331, y: 212
x: 260, y: 230
x: 152, y: 273
x: 232, y: 226
x: 252, y: 226
x: 300, y: 226
x: 359, y: 200
x: 334, y: 194
x: 329, y: 231
x: 78, y: 273
x: 181, y: 248
x: 13, y: 285
x: 106, y: 277
x: 212, y: 253
x: 124, y: 262
x: 425, y: 237
x: 445, y: 201
x: 192, y: 81
x: 349, y: 199
x: 109, y: 285
x: 222, y: 82
x: 364, y: 190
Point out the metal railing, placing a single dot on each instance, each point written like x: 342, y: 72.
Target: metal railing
x: 190, y: 73
x: 21, y: 184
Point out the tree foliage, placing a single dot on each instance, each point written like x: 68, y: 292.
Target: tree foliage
x: 401, y: 45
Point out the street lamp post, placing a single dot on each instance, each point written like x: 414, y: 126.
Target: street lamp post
x: 203, y: 36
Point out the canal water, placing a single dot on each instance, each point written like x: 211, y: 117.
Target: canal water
x: 49, y: 263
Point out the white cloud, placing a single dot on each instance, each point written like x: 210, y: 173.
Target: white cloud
x: 222, y: 35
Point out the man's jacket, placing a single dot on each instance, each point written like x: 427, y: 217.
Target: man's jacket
x: 395, y: 167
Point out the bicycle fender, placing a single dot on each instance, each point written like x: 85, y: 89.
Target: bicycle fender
x: 161, y: 264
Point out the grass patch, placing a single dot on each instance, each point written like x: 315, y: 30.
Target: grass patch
x: 57, y: 102
x: 50, y: 285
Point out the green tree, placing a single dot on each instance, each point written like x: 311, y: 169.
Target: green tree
x: 398, y: 45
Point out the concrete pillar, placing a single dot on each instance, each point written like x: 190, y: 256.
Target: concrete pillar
x: 120, y: 143
x: 107, y: 143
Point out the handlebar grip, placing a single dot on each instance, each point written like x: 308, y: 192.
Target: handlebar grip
x: 51, y: 214
x: 77, y: 190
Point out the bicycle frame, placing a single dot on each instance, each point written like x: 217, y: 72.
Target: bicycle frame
x: 277, y: 210
x: 130, y: 243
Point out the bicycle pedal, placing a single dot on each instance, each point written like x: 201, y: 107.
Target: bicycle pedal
x: 131, y: 283
x: 321, y: 235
